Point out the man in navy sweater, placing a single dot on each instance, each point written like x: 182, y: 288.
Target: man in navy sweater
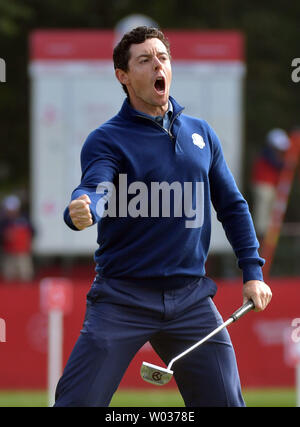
x: 149, y: 175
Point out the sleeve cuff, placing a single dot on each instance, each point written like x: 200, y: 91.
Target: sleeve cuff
x: 252, y: 272
x: 68, y: 220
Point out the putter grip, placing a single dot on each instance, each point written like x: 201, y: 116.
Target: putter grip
x: 243, y: 310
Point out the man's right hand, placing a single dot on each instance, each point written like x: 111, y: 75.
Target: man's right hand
x: 80, y: 213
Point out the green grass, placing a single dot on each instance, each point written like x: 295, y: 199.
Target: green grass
x: 147, y: 398
x: 160, y: 398
x: 23, y: 398
x: 270, y: 397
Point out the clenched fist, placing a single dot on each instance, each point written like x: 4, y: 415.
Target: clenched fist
x: 259, y: 292
x: 80, y: 213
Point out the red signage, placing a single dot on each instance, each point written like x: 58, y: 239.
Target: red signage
x: 258, y: 338
x: 83, y: 45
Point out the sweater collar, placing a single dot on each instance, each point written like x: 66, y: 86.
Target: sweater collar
x: 127, y: 111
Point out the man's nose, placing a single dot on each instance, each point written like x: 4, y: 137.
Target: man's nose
x: 157, y: 64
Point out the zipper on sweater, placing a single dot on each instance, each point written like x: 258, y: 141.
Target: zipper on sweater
x: 160, y: 126
x: 171, y: 124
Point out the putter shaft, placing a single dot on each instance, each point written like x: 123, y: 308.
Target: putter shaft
x: 217, y: 330
x: 249, y: 305
x: 160, y: 376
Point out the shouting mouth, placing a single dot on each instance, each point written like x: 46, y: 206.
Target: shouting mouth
x: 160, y: 85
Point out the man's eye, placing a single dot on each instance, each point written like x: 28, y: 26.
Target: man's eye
x: 144, y: 60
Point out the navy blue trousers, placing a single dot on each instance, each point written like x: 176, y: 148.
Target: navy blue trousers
x: 121, y: 317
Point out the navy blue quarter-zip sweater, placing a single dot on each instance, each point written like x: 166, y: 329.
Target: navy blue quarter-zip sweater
x: 163, y: 246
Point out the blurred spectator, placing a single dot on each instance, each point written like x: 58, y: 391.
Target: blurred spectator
x: 265, y: 176
x: 16, y: 235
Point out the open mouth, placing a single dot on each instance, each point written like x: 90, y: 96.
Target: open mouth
x: 160, y: 85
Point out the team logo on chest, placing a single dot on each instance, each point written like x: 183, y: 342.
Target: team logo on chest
x: 198, y: 140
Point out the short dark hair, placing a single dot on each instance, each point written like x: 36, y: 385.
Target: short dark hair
x: 138, y: 35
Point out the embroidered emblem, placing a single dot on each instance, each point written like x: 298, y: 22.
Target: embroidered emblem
x: 198, y: 140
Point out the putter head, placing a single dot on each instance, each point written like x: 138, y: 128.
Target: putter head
x: 155, y: 374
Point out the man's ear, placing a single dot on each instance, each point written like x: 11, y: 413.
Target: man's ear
x: 122, y: 76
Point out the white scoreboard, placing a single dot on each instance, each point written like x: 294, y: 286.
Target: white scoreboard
x: 74, y: 90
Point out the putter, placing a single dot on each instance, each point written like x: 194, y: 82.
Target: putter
x: 160, y: 376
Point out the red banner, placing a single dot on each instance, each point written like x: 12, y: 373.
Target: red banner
x: 98, y: 44
x: 258, y: 338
